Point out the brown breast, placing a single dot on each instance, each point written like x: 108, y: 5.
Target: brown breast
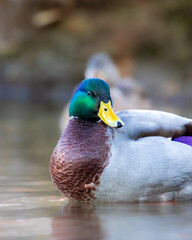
x: 79, y: 158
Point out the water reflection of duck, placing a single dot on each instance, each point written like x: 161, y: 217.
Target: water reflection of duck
x: 112, y: 162
x: 126, y: 92
x: 83, y: 221
x: 77, y: 221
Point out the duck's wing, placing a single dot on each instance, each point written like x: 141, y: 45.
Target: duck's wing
x: 143, y: 123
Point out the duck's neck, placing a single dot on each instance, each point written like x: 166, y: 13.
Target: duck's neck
x: 86, y: 137
x: 80, y: 157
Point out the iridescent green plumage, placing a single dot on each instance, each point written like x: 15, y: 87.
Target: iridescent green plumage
x: 86, y: 100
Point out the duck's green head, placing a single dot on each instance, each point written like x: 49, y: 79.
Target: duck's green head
x: 92, y: 102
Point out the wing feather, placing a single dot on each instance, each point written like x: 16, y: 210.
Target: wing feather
x: 144, y: 123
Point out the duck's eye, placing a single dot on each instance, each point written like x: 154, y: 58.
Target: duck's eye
x: 90, y: 93
x: 105, y: 109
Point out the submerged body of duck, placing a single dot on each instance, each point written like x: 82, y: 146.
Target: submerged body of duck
x: 126, y: 157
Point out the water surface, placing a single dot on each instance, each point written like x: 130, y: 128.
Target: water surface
x: 32, y: 208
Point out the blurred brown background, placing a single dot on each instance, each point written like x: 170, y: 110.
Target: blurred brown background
x: 45, y: 44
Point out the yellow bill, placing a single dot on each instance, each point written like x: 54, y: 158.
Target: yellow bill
x: 108, y: 116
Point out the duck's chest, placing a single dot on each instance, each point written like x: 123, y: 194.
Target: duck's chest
x: 79, y: 158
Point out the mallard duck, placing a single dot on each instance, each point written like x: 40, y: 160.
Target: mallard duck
x: 121, y: 157
x: 126, y: 92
